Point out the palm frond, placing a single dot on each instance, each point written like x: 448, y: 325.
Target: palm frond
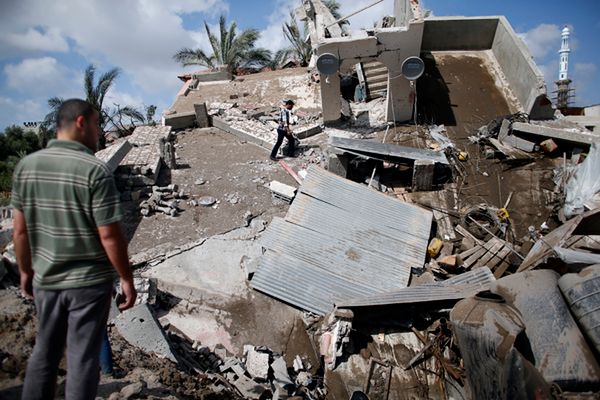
x: 105, y: 81
x: 131, y: 112
x: 187, y: 56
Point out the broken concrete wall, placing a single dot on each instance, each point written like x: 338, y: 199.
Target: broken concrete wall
x: 484, y: 33
x: 459, y: 33
x: 525, y: 78
x: 222, y: 75
x: 391, y: 46
x: 180, y: 120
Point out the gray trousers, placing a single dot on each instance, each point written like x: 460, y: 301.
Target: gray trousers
x: 75, y: 317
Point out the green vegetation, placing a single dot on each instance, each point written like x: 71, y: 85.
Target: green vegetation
x: 15, y: 143
x: 229, y: 49
x: 95, y: 92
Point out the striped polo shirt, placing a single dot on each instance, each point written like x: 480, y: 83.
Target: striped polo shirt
x: 65, y: 193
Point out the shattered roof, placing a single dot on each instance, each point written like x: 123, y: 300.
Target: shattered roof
x: 340, y: 239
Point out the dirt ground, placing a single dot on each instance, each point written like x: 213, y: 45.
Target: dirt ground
x: 459, y: 91
x: 229, y: 167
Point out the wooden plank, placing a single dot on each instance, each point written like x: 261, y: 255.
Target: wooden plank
x: 291, y: 171
x: 465, y: 233
x: 491, y: 252
x: 475, y: 257
x: 498, y: 272
x: 467, y: 253
x: 499, y: 257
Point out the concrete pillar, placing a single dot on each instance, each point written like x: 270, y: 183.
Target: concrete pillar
x: 402, y: 12
x: 331, y: 98
x: 400, y: 97
x: 423, y: 171
x: 338, y: 164
x: 201, y: 115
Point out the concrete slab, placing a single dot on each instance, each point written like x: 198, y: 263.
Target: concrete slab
x: 180, y: 120
x: 113, y: 155
x: 217, y: 307
x: 569, y: 135
x: 141, y: 329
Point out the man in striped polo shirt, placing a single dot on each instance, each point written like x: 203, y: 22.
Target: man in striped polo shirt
x: 68, y: 243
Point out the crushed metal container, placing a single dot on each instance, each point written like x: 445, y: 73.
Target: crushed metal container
x: 582, y: 292
x: 559, y: 349
x: 489, y: 332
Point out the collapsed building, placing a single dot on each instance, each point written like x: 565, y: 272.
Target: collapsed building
x: 437, y: 236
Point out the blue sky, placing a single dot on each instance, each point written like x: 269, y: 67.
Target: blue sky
x: 46, y: 45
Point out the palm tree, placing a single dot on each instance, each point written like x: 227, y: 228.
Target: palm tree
x: 95, y: 93
x: 229, y: 49
x: 300, y: 47
x: 277, y: 59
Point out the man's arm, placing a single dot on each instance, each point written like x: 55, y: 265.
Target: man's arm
x: 23, y: 253
x: 115, y: 246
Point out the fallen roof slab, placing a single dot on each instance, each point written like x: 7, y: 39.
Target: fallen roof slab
x: 340, y: 239
x: 456, y: 288
x: 387, y: 150
x: 561, y: 134
x: 113, y: 155
x: 140, y: 328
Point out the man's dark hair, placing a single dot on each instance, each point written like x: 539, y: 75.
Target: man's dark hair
x: 70, y: 109
x: 289, y: 102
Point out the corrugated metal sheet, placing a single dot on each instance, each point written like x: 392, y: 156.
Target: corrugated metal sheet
x: 387, y: 151
x: 340, y: 240
x: 387, y: 240
x: 353, y: 261
x: 458, y: 287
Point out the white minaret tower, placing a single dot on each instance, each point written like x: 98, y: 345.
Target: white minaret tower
x: 563, y: 85
x: 564, y: 55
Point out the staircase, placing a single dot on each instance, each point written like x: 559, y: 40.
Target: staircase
x: 376, y: 79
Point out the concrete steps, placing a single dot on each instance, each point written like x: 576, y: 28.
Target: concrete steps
x: 376, y: 78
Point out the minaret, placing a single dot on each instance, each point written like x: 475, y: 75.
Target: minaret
x: 564, y: 55
x: 563, y: 92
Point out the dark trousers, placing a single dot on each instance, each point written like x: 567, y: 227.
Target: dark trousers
x: 281, y: 133
x: 77, y: 318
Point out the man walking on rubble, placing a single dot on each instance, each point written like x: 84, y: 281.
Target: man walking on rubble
x: 67, y: 240
x: 284, y: 130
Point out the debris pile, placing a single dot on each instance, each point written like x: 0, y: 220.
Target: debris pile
x: 258, y: 123
x: 163, y: 199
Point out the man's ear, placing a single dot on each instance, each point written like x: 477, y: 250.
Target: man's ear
x: 80, y: 122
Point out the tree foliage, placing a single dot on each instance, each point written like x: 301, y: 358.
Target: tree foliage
x: 15, y: 143
x: 300, y: 47
x: 230, y: 48
x: 95, y: 93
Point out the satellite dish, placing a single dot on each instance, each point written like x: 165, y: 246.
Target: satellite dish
x: 328, y: 64
x: 412, y: 68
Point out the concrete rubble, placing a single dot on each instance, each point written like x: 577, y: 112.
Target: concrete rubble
x: 442, y: 249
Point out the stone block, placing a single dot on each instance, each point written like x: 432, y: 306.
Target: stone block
x: 257, y: 364
x: 141, y: 329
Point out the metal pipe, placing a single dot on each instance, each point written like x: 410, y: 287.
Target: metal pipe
x: 353, y: 14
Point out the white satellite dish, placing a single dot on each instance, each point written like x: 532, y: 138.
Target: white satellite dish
x: 328, y: 64
x: 412, y: 68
